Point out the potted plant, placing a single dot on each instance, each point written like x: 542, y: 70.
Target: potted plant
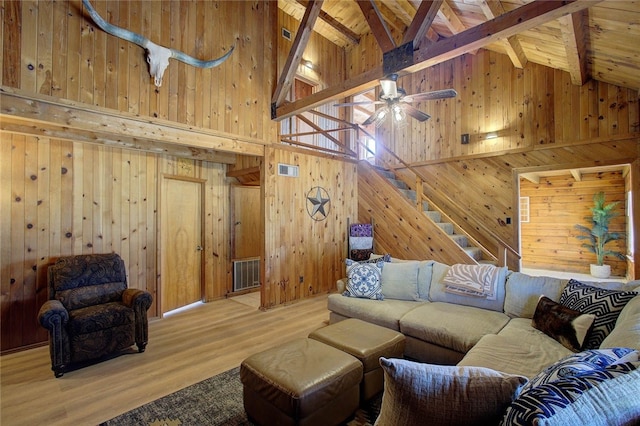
x: 598, y: 235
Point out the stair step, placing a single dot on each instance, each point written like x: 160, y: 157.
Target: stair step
x: 409, y: 193
x: 446, y: 227
x: 398, y: 183
x: 386, y: 173
x: 461, y: 240
x: 474, y: 252
x: 435, y: 216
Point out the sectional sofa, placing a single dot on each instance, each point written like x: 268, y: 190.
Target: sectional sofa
x: 509, y: 330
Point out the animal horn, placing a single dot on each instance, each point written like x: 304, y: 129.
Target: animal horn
x: 157, y: 56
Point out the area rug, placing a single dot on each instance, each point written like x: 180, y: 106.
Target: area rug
x: 214, y: 401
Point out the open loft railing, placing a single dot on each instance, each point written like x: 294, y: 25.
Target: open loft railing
x: 341, y: 147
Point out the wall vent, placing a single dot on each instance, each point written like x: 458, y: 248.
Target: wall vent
x: 286, y: 33
x: 287, y: 170
x: 246, y: 273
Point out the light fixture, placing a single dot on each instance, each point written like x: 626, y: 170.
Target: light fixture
x: 307, y: 63
x: 491, y: 135
x: 398, y: 113
x: 380, y: 115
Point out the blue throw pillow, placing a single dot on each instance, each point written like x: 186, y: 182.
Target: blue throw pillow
x: 363, y: 280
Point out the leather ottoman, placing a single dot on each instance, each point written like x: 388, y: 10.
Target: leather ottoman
x: 302, y: 382
x: 367, y: 342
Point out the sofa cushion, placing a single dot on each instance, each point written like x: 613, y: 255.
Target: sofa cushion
x: 525, y: 355
x: 606, y: 305
x: 563, y: 324
x: 572, y: 387
x: 452, y: 326
x: 386, y: 313
x: 400, y: 281
x: 438, y: 293
x: 425, y: 273
x: 363, y: 279
x: 416, y: 393
x: 523, y: 292
x: 626, y: 334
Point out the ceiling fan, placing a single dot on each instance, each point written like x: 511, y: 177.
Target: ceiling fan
x: 396, y: 101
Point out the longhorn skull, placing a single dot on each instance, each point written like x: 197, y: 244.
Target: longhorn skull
x: 157, y: 56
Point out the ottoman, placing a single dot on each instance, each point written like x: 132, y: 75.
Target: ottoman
x: 367, y: 342
x: 302, y: 382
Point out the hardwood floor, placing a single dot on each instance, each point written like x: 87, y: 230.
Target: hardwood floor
x: 183, y: 349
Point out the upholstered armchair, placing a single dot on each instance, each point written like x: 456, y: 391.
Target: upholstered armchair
x: 91, y: 312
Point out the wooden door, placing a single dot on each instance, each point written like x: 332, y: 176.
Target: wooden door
x: 246, y: 222
x: 181, y: 243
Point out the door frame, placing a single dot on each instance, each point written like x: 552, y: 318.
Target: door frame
x: 162, y: 191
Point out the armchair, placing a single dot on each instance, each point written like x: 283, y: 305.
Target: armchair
x: 91, y: 312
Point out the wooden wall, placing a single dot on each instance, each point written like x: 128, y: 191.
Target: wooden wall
x: 54, y: 48
x: 61, y: 198
x: 305, y: 257
x: 558, y: 203
x: 524, y: 108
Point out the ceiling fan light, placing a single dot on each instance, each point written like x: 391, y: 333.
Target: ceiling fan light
x: 398, y: 113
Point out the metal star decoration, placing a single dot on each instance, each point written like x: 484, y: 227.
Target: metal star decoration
x: 318, y: 203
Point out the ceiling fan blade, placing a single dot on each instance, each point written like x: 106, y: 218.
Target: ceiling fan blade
x: 359, y: 103
x: 426, y: 96
x: 416, y: 113
x: 378, y: 115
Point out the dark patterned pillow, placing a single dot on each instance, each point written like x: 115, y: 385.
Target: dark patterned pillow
x: 566, y: 390
x: 606, y: 305
x: 565, y: 325
x: 363, y: 279
x: 360, y: 254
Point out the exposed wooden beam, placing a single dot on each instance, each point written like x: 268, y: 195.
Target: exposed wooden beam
x: 422, y: 21
x: 531, y: 177
x: 323, y: 132
x: 295, y: 54
x: 46, y: 116
x: 377, y: 25
x: 573, y: 28
x: 346, y: 32
x: 511, y: 23
x: 576, y: 174
x: 512, y: 46
x: 450, y: 18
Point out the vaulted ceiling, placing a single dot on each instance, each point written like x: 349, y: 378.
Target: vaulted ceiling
x: 589, y: 39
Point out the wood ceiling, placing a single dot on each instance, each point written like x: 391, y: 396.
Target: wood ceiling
x: 596, y: 40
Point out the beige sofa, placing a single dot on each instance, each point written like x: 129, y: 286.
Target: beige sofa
x: 450, y: 329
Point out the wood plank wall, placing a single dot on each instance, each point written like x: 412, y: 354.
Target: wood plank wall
x: 525, y: 108
x: 558, y: 203
x: 54, y: 48
x: 304, y: 257
x: 61, y: 198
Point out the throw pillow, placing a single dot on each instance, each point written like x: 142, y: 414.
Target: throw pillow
x: 568, y: 388
x: 606, y: 305
x: 576, y: 364
x: 416, y: 393
x: 565, y: 325
x: 363, y: 280
x: 400, y: 281
x: 360, y: 255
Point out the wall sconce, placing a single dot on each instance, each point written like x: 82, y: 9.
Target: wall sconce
x: 491, y: 135
x: 307, y: 63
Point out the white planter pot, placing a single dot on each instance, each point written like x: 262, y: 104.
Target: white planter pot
x: 600, y: 271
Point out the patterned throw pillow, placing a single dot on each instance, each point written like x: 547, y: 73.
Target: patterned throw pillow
x: 606, y: 305
x: 363, y: 279
x: 570, y: 385
x: 565, y: 325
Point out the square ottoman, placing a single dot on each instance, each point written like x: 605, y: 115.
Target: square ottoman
x: 367, y: 342
x: 302, y: 382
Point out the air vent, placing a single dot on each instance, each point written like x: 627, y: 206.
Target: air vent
x: 287, y: 170
x: 286, y: 34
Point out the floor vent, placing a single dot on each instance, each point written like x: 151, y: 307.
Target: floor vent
x: 246, y: 273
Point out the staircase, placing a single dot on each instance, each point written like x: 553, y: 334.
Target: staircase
x: 473, y: 252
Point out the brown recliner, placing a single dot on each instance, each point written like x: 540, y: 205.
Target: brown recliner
x: 91, y: 312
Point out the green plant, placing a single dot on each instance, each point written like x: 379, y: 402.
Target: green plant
x: 598, y: 235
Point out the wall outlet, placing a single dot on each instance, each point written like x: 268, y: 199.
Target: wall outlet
x: 508, y: 221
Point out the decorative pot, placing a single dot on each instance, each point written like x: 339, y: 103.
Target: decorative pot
x: 600, y: 271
